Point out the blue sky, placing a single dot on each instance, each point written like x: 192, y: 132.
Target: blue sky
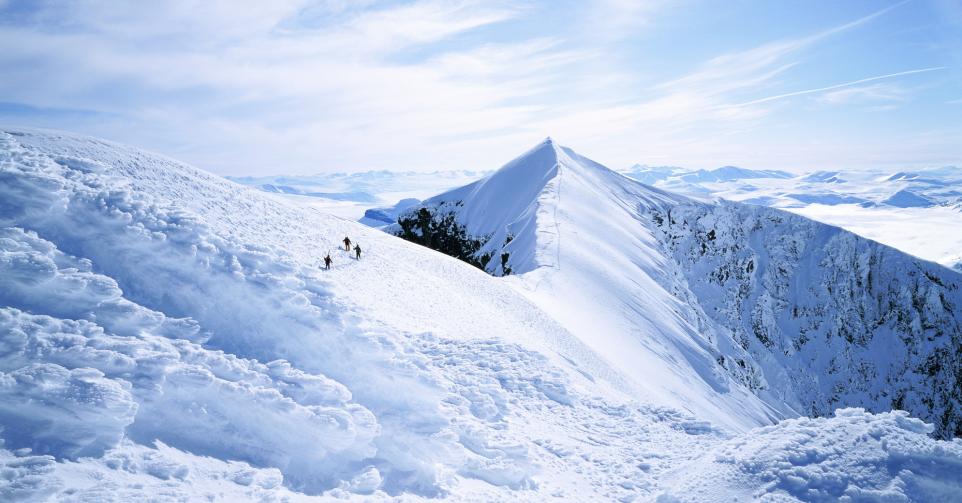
x: 300, y: 86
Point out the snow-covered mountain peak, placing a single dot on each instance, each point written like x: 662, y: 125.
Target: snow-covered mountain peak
x: 577, y: 234
x: 532, y: 170
x: 143, y: 301
x: 513, y: 209
x: 536, y: 164
x: 726, y: 301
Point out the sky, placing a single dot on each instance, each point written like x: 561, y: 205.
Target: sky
x: 307, y: 86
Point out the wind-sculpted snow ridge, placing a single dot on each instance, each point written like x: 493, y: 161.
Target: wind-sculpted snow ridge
x: 168, y: 335
x: 776, y: 313
x: 73, y: 388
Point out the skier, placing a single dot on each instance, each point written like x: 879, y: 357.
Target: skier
x: 357, y: 251
x: 347, y: 243
x: 327, y: 261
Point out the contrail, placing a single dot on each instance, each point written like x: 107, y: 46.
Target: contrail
x: 836, y: 86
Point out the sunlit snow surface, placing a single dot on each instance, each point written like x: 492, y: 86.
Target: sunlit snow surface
x: 168, y: 335
x: 736, y: 312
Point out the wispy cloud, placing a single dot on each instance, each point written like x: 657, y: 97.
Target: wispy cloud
x: 309, y: 85
x: 715, y: 92
x: 700, y: 110
x: 871, y: 93
x: 612, y: 20
x: 837, y: 86
x: 750, y: 68
x: 276, y: 79
x: 710, y: 94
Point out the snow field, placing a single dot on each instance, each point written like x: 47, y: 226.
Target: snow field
x: 168, y: 334
x: 342, y: 398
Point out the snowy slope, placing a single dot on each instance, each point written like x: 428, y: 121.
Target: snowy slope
x: 703, y: 301
x: 578, y: 250
x: 164, y: 303
x: 168, y: 335
x: 831, y: 318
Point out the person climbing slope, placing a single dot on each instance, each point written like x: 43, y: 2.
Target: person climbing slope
x: 357, y: 251
x: 347, y: 243
x: 327, y: 261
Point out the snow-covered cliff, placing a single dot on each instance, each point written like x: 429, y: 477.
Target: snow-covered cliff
x: 831, y: 318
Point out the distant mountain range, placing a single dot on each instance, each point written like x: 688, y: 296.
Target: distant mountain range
x: 927, y: 188
x: 362, y: 187
x: 919, y: 212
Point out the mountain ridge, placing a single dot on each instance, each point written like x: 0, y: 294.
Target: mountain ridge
x: 620, y: 234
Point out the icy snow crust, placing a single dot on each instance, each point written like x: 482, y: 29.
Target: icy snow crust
x: 166, y: 334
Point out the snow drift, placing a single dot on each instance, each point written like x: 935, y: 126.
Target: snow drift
x: 854, y: 456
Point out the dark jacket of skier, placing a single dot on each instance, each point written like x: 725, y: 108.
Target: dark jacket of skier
x: 357, y: 251
x: 347, y: 243
x: 327, y: 261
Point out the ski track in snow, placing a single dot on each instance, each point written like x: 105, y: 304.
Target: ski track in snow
x: 169, y: 335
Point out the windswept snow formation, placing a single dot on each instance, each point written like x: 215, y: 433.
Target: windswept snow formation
x: 168, y: 335
x: 696, y: 299
x: 142, y: 300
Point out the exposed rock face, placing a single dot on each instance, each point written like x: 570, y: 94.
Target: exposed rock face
x: 439, y: 230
